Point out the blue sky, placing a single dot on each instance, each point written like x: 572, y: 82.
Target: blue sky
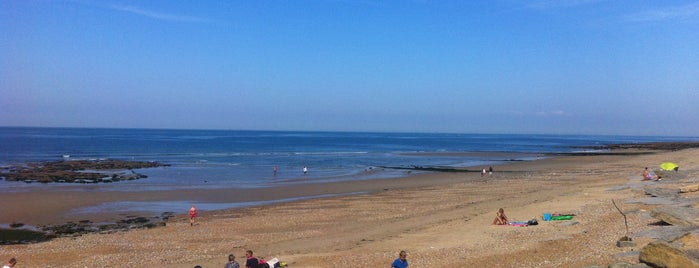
x: 504, y: 66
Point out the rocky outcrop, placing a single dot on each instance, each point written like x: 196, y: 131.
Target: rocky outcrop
x: 77, y: 171
x: 676, y: 215
x: 663, y: 254
x: 660, y: 192
x: 669, y: 146
x: 84, y: 227
x: 689, y: 188
x: 73, y: 229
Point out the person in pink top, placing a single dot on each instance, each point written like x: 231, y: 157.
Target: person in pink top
x: 192, y: 215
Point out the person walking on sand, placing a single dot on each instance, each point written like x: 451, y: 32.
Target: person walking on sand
x: 192, y: 215
x: 401, y: 262
x: 231, y: 262
x: 10, y: 263
x: 483, y: 172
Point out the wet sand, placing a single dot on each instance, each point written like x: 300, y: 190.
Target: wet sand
x: 441, y: 219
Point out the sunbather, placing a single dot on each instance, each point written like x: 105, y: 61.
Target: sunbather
x: 647, y: 175
x: 500, y: 218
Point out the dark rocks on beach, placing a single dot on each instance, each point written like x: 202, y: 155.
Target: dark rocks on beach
x: 625, y: 242
x: 73, y: 229
x: 84, y: 227
x: 74, y: 171
x: 669, y: 146
x: 21, y: 236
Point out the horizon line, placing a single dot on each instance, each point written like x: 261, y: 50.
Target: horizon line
x: 347, y: 131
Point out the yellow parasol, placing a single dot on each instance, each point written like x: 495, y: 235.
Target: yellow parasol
x: 669, y: 166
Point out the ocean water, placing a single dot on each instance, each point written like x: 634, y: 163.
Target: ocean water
x: 240, y: 159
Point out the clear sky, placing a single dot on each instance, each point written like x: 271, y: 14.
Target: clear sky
x: 501, y: 66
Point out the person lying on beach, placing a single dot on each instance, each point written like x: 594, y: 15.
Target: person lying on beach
x: 647, y: 175
x: 500, y: 217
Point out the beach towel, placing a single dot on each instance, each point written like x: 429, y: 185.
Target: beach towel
x: 518, y: 223
x: 561, y: 218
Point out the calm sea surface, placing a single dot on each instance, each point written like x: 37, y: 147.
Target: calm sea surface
x: 229, y: 158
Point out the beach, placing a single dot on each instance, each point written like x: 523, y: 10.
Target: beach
x: 441, y: 220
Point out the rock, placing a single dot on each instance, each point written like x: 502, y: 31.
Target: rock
x: 662, y: 254
x: 640, y: 265
x: 21, y: 236
x: 666, y: 233
x: 625, y: 244
x: 689, y: 188
x: 618, y: 188
x: 651, y: 201
x: 689, y: 240
x: 568, y: 223
x: 690, y: 243
x: 72, y: 229
x: 671, y: 175
x: 71, y: 171
x: 620, y: 265
x: 660, y: 192
x: 625, y: 241
x: 627, y: 255
x: 678, y: 216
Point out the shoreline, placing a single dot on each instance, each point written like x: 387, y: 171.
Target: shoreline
x: 64, y: 209
x: 435, y: 217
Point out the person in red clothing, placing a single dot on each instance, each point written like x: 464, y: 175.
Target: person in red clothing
x: 251, y: 262
x: 192, y: 215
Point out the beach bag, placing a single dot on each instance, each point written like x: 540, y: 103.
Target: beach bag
x: 262, y: 263
x: 533, y: 222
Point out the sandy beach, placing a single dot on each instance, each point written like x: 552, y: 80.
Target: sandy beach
x: 440, y: 219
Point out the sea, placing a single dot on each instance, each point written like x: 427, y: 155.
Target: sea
x: 244, y: 159
x: 240, y: 159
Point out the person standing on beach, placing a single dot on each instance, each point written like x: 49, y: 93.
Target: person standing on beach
x: 192, y: 215
x: 401, y: 262
x: 274, y: 170
x: 483, y: 172
x: 251, y: 261
x: 10, y: 263
x: 305, y: 170
x: 231, y: 262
